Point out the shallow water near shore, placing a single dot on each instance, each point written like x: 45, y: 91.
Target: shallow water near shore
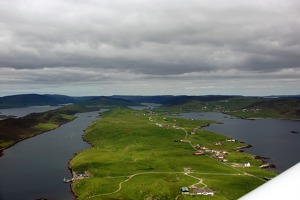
x: 35, y: 168
x: 276, y: 139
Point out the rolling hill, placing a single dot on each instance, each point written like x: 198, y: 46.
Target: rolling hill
x: 245, y: 107
x: 24, y: 100
x: 107, y: 102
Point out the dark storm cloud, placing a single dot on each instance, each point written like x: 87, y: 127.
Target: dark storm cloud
x: 149, y: 39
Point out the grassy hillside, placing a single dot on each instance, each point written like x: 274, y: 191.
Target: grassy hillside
x: 247, y: 107
x: 137, y: 155
x: 25, y: 100
x: 104, y: 102
x: 13, y: 130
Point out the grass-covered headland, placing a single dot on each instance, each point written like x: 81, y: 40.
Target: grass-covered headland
x: 143, y: 155
x: 13, y: 130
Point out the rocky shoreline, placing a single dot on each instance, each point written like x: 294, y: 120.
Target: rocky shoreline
x: 264, y: 160
x: 240, y: 149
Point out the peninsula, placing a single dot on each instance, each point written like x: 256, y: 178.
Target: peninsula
x: 146, y: 155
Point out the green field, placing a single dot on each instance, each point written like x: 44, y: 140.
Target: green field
x: 136, y: 155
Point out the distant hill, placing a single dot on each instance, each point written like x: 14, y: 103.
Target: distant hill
x: 146, y: 99
x: 107, y: 102
x: 285, y: 96
x: 247, y: 107
x: 283, y: 107
x: 24, y: 100
x: 170, y: 99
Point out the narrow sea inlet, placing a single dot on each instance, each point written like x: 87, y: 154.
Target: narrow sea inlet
x: 35, y: 168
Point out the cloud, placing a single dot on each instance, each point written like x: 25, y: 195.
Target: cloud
x: 55, y: 41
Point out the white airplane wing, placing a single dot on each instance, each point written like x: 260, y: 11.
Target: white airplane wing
x: 285, y: 186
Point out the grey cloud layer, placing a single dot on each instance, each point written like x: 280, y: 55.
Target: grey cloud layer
x: 148, y: 39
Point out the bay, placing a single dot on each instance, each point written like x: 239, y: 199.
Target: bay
x: 276, y: 139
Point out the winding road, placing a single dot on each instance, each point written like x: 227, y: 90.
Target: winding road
x: 200, y: 181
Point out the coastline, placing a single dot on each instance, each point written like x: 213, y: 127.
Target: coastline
x: 36, y: 150
x: 16, y: 142
x: 65, y: 149
x: 69, y: 163
x: 71, y: 169
x: 263, y: 159
x: 67, y: 111
x: 255, y: 118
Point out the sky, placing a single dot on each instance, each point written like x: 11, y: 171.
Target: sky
x: 150, y: 47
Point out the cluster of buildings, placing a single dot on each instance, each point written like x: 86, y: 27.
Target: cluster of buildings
x: 167, y: 126
x: 218, y: 154
x: 196, y: 191
x: 77, y: 176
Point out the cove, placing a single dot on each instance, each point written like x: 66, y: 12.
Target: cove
x: 276, y: 139
x: 35, y: 168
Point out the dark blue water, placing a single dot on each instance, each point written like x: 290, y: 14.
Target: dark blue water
x: 35, y: 167
x: 272, y: 138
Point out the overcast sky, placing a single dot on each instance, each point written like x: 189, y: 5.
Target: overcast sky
x: 150, y: 47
